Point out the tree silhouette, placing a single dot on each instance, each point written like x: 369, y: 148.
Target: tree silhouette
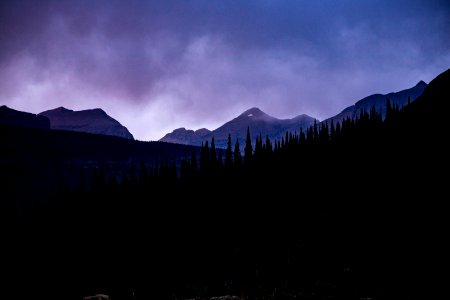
x: 258, y: 146
x: 315, y: 133
x: 237, y: 157
x: 268, y: 146
x: 229, y: 154
x: 332, y: 132
x: 204, y: 159
x: 266, y: 247
x: 213, y: 168
x: 388, y: 110
x: 248, y: 150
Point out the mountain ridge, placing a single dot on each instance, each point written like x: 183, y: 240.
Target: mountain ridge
x: 379, y: 101
x: 264, y: 124
x: 94, y: 120
x: 258, y: 121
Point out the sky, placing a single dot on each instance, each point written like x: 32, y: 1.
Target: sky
x: 159, y: 65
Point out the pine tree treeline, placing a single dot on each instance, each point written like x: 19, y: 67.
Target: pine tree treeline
x: 339, y: 210
x: 277, y: 216
x: 269, y: 160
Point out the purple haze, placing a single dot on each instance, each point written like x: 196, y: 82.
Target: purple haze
x: 159, y: 65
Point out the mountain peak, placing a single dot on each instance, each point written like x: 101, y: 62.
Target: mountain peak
x: 253, y: 112
x: 61, y: 109
x: 302, y: 117
x: 202, y: 131
x: 259, y: 123
x: 421, y: 83
x: 99, y: 110
x: 95, y: 121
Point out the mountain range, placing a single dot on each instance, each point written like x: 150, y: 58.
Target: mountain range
x: 258, y: 122
x: 96, y: 121
x: 379, y: 102
x: 261, y: 123
x: 90, y: 121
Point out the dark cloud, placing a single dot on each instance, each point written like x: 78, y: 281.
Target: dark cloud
x: 157, y: 65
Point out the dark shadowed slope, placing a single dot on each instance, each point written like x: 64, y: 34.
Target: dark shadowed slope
x: 91, y: 121
x: 432, y: 107
x: 437, y: 93
x: 13, y: 117
x: 258, y: 121
x: 43, y: 160
x: 379, y: 101
x: 357, y: 216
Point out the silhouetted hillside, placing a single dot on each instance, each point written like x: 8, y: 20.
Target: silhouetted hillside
x: 13, y: 117
x: 43, y: 160
x: 350, y: 211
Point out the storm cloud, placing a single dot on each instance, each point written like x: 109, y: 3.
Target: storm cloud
x: 159, y: 65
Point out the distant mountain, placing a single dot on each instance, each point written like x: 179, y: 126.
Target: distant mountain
x: 258, y: 121
x: 91, y: 121
x: 13, y: 117
x: 379, y: 101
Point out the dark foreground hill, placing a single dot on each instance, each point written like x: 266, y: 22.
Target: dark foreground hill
x: 17, y: 118
x: 351, y: 213
x: 44, y: 160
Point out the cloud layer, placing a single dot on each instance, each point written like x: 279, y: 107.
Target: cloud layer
x: 159, y: 65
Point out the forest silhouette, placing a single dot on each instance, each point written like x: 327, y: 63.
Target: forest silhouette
x: 346, y: 210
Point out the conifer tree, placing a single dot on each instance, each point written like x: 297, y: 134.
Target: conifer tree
x: 204, y: 159
x: 332, y: 132
x: 213, y: 155
x: 316, y: 132
x: 258, y: 146
x: 248, y: 150
x: 302, y: 136
x: 229, y: 154
x: 268, y: 145
x: 237, y: 157
x: 323, y: 133
x: 309, y: 134
x: 388, y: 110
x: 338, y: 130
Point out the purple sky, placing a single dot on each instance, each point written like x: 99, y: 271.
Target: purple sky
x: 159, y: 65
